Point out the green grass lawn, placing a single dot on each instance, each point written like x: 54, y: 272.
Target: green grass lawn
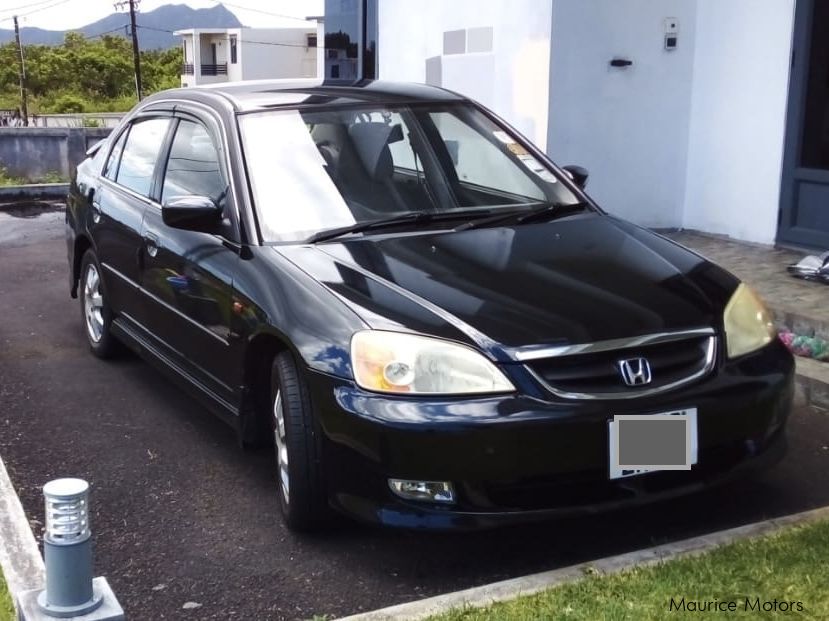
x: 791, y: 567
x: 6, y: 607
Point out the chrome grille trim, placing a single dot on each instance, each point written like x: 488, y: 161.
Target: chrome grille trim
x: 708, y: 366
x: 534, y: 352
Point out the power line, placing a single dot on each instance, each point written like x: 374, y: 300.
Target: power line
x: 245, y: 8
x: 106, y: 32
x: 25, y: 6
x: 242, y: 41
x: 54, y: 4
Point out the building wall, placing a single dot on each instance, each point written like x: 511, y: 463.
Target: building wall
x: 627, y: 126
x: 691, y: 137
x: 234, y: 70
x: 187, y: 54
x: 738, y: 115
x: 498, y: 53
x: 261, y: 59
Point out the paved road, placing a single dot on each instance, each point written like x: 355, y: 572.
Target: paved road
x: 181, y: 514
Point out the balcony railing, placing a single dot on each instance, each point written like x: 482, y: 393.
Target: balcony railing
x: 187, y: 69
x: 214, y: 69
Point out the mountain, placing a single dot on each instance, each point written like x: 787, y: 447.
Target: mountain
x: 153, y: 26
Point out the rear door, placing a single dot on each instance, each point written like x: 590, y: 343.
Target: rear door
x: 187, y: 276
x: 118, y: 205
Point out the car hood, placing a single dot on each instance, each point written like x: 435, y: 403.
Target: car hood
x: 580, y: 279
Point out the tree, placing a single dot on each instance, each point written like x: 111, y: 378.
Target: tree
x: 94, y: 74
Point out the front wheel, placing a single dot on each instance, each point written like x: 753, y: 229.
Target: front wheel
x: 300, y: 481
x: 95, y: 310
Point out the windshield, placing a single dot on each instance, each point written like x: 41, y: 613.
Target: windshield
x: 313, y: 171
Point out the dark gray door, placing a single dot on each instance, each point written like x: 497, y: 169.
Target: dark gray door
x: 187, y: 276
x: 804, y: 217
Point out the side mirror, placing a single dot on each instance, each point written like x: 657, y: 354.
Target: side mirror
x: 192, y: 213
x: 578, y: 174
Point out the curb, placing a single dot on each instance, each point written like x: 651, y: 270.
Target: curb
x: 19, y: 555
x: 528, y: 585
x: 813, y: 382
x: 34, y: 191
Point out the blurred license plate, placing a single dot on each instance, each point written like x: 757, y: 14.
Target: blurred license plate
x: 652, y: 442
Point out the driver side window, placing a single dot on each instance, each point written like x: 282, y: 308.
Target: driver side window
x: 193, y: 166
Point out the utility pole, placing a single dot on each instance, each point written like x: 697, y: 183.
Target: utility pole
x: 136, y: 58
x: 21, y: 74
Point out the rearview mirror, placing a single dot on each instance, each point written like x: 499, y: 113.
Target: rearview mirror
x: 578, y: 174
x: 192, y: 213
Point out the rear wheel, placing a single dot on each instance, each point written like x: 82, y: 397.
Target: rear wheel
x: 97, y: 316
x: 300, y: 481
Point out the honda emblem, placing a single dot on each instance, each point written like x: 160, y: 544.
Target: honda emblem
x: 635, y: 371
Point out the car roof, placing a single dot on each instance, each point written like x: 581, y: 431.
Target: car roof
x: 246, y: 96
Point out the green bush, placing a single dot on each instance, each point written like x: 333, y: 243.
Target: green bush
x: 85, y: 75
x: 68, y: 104
x: 52, y: 176
x: 7, y: 179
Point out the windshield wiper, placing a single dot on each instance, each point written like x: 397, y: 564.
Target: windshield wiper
x: 416, y: 217
x: 550, y: 211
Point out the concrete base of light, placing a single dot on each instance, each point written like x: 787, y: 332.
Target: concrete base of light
x: 69, y: 612
x: 108, y: 610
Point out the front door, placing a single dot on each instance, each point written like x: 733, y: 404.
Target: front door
x: 187, y: 276
x: 804, y: 217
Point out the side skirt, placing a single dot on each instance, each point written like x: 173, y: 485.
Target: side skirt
x: 126, y: 331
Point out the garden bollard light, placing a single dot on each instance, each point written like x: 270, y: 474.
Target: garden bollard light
x: 67, y: 550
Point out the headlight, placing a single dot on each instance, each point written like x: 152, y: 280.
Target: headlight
x: 748, y: 324
x: 394, y: 362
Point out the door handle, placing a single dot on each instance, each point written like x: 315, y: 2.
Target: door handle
x: 151, y: 243
x: 95, y: 205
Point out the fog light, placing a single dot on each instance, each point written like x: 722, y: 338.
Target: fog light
x: 430, y: 491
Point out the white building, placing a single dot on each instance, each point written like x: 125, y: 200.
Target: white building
x: 214, y: 55
x: 706, y: 120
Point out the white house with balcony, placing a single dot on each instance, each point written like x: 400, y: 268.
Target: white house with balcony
x: 213, y: 55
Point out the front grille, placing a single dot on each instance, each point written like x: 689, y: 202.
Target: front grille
x: 596, y: 374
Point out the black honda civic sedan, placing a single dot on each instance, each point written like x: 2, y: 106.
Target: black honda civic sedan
x: 432, y: 323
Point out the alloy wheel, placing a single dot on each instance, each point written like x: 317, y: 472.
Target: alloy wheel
x: 93, y: 304
x: 281, y: 446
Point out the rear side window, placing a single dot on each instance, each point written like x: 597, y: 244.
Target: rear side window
x: 193, y: 167
x: 140, y: 155
x: 115, y: 156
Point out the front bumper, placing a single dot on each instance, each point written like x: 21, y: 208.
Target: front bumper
x: 519, y: 457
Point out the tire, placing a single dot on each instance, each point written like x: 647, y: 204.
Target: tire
x: 300, y: 482
x: 95, y: 311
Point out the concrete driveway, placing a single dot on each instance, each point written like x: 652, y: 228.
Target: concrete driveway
x: 181, y: 514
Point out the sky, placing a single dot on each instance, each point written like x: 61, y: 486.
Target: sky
x: 67, y: 14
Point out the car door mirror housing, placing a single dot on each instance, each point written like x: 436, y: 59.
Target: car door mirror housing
x: 192, y: 213
x: 578, y: 174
